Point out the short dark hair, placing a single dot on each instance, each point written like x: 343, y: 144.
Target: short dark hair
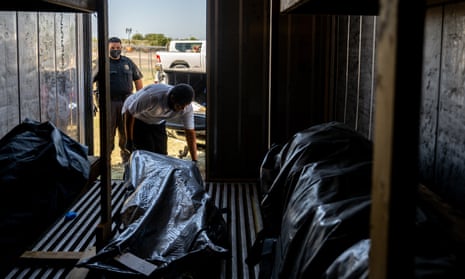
x: 182, y: 94
x: 114, y: 40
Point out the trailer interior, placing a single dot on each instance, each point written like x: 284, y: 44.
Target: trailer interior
x: 386, y: 75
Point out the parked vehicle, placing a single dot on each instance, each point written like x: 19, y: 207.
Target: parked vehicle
x: 183, y: 55
x: 184, y: 61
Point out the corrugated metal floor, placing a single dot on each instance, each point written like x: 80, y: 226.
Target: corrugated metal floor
x: 78, y: 235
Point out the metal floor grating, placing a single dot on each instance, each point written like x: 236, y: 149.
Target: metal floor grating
x: 240, y: 201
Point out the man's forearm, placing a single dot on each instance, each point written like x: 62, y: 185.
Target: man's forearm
x: 191, y: 143
x: 128, y: 126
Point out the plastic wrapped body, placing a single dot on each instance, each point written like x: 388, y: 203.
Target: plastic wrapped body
x: 169, y: 225
x: 42, y: 171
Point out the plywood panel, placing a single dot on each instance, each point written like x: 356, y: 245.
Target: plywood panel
x: 365, y: 114
x: 451, y: 128
x: 47, y: 67
x: 341, y: 67
x: 353, y: 71
x: 430, y: 95
x: 65, y: 45
x: 9, y: 99
x: 27, y: 65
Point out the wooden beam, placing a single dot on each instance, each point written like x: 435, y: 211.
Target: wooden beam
x: 81, y: 272
x: 395, y: 157
x: 55, y: 258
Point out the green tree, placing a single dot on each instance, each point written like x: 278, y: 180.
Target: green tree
x: 156, y: 39
x: 137, y: 36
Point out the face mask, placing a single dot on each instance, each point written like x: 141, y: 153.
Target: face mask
x: 115, y: 53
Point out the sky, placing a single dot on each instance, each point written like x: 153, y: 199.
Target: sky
x: 176, y: 19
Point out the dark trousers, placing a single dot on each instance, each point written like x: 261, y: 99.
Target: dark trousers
x: 117, y: 124
x: 151, y: 137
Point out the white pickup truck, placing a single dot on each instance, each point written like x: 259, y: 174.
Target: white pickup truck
x: 184, y: 62
x: 187, y: 55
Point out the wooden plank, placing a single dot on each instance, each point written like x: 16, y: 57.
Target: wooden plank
x: 81, y: 272
x: 450, y: 142
x: 341, y: 68
x: 430, y: 92
x: 9, y: 103
x: 365, y: 115
x: 358, y: 7
x: 69, y: 240
x: 220, y: 202
x: 241, y: 244
x: 78, y: 5
x: 50, y: 5
x: 235, y: 273
x: 52, y: 255
x: 395, y: 157
x: 253, y: 219
x: 353, y: 72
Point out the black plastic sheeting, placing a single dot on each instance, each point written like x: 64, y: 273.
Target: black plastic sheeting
x: 328, y: 162
x: 42, y: 171
x: 170, y: 226
x: 316, y: 208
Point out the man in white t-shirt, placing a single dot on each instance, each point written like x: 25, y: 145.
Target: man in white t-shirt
x: 146, y: 111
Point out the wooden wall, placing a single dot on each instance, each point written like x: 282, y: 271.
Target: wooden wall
x: 313, y: 47
x: 442, y: 129
x: 325, y: 72
x: 42, y: 73
x: 325, y: 69
x: 237, y: 85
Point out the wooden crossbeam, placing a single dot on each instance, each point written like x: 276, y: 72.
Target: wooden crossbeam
x: 56, y: 258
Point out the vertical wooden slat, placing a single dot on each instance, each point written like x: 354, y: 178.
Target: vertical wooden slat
x: 9, y: 102
x: 243, y: 228
x: 104, y: 228
x: 224, y: 204
x: 27, y: 65
x: 253, y: 223
x: 395, y: 161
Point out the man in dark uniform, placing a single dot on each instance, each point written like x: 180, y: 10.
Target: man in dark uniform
x: 124, y: 76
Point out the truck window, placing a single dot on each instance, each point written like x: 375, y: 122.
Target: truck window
x: 187, y: 46
x: 183, y: 47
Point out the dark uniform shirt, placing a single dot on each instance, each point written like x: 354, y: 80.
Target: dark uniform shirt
x: 123, y: 73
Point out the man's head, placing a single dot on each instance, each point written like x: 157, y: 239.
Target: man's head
x: 114, y: 47
x: 181, y: 95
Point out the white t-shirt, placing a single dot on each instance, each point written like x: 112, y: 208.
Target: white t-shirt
x: 150, y: 105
